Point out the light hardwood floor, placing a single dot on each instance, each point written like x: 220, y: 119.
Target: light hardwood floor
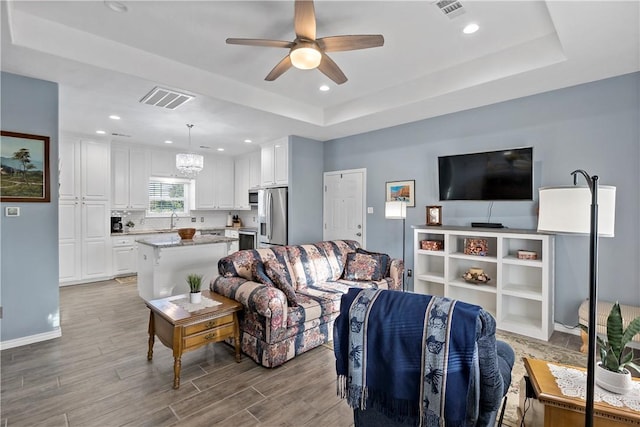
x: 97, y: 374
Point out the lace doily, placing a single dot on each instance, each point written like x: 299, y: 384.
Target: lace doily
x: 186, y: 305
x: 573, y: 383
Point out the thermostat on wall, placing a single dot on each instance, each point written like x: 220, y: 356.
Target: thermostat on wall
x: 12, y: 211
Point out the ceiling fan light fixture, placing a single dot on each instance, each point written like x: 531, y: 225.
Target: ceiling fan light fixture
x: 305, y: 56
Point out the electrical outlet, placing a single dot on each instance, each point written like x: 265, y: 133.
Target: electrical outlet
x: 193, y: 219
x: 201, y: 219
x: 409, y: 273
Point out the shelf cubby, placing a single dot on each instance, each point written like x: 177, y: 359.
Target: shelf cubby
x: 520, y: 292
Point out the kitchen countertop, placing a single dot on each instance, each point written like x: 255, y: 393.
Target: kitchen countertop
x: 175, y: 241
x: 175, y: 230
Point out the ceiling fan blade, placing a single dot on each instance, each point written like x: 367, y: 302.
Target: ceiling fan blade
x: 304, y: 20
x: 279, y: 69
x: 342, y: 43
x: 260, y: 42
x: 331, y: 70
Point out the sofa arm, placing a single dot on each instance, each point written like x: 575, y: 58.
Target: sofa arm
x: 396, y: 272
x: 265, y: 300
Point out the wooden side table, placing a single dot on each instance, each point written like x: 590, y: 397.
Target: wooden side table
x: 183, y: 331
x: 561, y: 410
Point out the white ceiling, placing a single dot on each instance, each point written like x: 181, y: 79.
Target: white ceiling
x: 105, y: 62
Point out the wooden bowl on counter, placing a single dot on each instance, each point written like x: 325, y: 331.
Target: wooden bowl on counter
x: 186, y: 233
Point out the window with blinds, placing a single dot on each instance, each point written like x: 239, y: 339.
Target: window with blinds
x: 167, y: 196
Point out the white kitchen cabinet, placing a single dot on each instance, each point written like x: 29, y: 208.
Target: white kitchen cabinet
x: 69, y: 240
x: 163, y: 163
x: 242, y: 176
x: 84, y: 170
x: 84, y: 215
x: 520, y: 292
x: 274, y: 164
x: 129, y: 178
x: 224, y: 182
x: 254, y: 170
x: 234, y: 234
x: 125, y: 255
x: 83, y: 241
x: 214, y: 184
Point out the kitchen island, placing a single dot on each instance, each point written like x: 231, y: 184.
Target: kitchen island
x: 165, y: 261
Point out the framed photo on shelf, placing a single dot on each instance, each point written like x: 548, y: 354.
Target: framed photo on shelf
x: 25, y: 167
x: 402, y: 191
x: 434, y: 215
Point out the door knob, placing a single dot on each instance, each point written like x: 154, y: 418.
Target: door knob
x: 358, y: 234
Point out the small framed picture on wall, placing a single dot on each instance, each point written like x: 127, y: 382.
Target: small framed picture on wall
x: 434, y: 215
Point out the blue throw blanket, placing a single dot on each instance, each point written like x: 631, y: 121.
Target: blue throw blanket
x: 407, y: 355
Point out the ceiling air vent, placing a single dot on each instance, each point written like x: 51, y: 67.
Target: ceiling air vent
x: 450, y: 8
x: 165, y: 98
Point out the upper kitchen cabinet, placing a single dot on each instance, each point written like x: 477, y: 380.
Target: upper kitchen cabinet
x: 129, y: 178
x: 215, y: 184
x: 242, y: 173
x: 163, y: 163
x: 275, y: 163
x: 254, y: 170
x: 247, y: 178
x: 84, y: 170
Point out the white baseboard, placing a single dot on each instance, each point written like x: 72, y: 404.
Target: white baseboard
x: 562, y: 328
x: 31, y: 339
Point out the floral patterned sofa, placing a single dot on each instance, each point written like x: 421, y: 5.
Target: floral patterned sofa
x: 291, y: 294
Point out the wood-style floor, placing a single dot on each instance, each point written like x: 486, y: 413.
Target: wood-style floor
x: 97, y: 374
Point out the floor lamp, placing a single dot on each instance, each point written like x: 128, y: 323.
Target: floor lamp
x: 575, y: 210
x: 397, y: 210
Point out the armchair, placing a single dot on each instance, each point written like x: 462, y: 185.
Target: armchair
x: 408, y: 359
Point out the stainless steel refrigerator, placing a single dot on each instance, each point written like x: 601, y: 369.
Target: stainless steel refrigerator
x: 272, y: 216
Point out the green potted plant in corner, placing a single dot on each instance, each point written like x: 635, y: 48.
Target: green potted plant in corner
x: 612, y: 373
x: 195, y: 282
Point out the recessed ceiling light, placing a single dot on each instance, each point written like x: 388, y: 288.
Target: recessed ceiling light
x: 100, y: 132
x: 471, y: 28
x: 248, y: 141
x: 220, y: 149
x: 168, y: 142
x: 324, y: 88
x: 114, y: 117
x: 116, y: 6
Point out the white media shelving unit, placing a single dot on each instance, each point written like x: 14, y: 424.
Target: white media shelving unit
x: 520, y: 292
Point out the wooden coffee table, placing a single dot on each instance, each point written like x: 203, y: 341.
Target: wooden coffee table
x: 561, y: 410
x: 183, y: 331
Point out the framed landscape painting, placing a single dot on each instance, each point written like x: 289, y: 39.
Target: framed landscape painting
x: 24, y: 168
x: 402, y: 191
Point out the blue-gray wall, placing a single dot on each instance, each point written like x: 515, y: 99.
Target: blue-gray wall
x: 305, y: 190
x: 593, y: 126
x: 29, y: 243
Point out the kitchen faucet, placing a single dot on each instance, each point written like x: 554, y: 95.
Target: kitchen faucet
x: 173, y: 215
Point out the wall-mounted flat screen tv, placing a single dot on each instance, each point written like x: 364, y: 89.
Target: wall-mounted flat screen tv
x: 493, y: 175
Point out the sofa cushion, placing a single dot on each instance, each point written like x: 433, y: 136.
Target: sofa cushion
x: 278, y: 254
x: 277, y: 274
x: 363, y: 267
x: 239, y: 264
x: 319, y: 262
x: 384, y: 259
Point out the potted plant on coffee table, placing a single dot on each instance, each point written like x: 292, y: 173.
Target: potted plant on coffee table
x: 195, y: 282
x: 612, y: 373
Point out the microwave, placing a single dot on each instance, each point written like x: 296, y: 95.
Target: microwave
x: 253, y: 197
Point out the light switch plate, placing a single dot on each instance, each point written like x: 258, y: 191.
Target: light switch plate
x: 370, y: 209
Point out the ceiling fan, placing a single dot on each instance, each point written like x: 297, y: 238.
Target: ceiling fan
x: 306, y: 52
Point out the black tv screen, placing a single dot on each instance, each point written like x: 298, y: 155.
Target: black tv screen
x: 494, y: 175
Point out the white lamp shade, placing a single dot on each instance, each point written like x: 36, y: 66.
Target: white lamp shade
x: 395, y: 210
x: 567, y: 210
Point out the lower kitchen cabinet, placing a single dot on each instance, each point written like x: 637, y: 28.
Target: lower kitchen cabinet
x: 84, y: 241
x: 124, y: 255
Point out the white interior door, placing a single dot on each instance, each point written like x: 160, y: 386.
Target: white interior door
x: 344, y: 202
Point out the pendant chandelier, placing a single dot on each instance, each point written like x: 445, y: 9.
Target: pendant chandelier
x: 189, y: 164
